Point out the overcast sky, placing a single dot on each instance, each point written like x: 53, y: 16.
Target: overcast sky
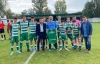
x: 17, y: 6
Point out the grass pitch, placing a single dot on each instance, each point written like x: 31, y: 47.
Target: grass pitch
x: 53, y: 57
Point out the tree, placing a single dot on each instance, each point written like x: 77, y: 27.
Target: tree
x: 47, y: 11
x: 96, y: 8
x: 9, y: 14
x: 30, y: 11
x: 60, y: 7
x: 39, y: 6
x: 3, y: 4
x: 92, y: 8
x: 24, y: 13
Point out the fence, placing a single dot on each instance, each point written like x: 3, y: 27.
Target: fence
x: 94, y: 19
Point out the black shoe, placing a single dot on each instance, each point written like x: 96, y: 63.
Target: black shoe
x: 28, y: 50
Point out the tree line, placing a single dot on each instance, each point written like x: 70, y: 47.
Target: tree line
x: 91, y: 8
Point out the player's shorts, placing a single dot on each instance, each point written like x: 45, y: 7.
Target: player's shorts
x: 1, y: 30
x: 14, y: 39
x: 61, y: 37
x: 70, y: 36
x: 75, y: 37
x: 24, y: 36
x: 32, y: 36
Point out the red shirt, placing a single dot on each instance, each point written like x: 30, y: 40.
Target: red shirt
x: 2, y: 26
x: 8, y: 25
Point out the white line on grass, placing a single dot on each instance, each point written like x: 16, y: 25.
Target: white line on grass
x: 29, y: 58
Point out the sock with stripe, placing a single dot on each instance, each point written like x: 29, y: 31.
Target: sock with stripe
x: 66, y: 46
x: 17, y: 47
x: 60, y: 46
x: 12, y: 47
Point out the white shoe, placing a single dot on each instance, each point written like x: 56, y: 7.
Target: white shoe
x: 11, y: 53
x: 67, y: 49
x: 2, y: 39
x: 18, y: 52
x: 60, y: 49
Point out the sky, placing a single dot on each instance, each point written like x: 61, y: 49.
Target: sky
x: 17, y: 6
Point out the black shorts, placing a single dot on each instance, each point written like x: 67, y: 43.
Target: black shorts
x: 1, y: 30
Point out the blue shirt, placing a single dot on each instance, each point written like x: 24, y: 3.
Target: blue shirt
x: 84, y: 30
x: 51, y: 25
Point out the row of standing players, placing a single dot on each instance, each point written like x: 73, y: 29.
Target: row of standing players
x: 69, y: 29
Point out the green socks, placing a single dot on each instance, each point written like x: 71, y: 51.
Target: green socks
x: 27, y: 44
x: 21, y: 44
x: 17, y: 47
x: 12, y: 47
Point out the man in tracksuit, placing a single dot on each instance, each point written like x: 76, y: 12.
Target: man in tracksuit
x: 86, y: 31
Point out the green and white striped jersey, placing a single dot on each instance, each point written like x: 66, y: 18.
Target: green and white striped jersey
x: 14, y: 29
x: 58, y: 23
x: 32, y: 26
x: 62, y: 29
x: 68, y: 27
x: 76, y: 29
x: 23, y: 26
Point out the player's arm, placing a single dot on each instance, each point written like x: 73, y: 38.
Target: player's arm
x: 19, y: 25
x: 67, y: 31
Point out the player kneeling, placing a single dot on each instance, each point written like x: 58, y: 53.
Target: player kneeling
x: 62, y: 35
x: 14, y: 36
x: 76, y: 35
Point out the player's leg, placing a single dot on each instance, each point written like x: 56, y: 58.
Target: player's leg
x: 31, y: 39
x: 58, y: 39
x: 27, y: 42
x: 4, y: 34
x: 75, y: 42
x: 35, y: 43
x: 9, y: 35
x: 66, y: 41
x: 12, y: 45
x: 1, y: 32
x: 70, y: 37
x: 21, y: 41
x: 60, y: 42
x: 17, y: 46
x: 80, y: 43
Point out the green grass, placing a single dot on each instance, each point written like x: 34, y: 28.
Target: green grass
x: 53, y: 57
